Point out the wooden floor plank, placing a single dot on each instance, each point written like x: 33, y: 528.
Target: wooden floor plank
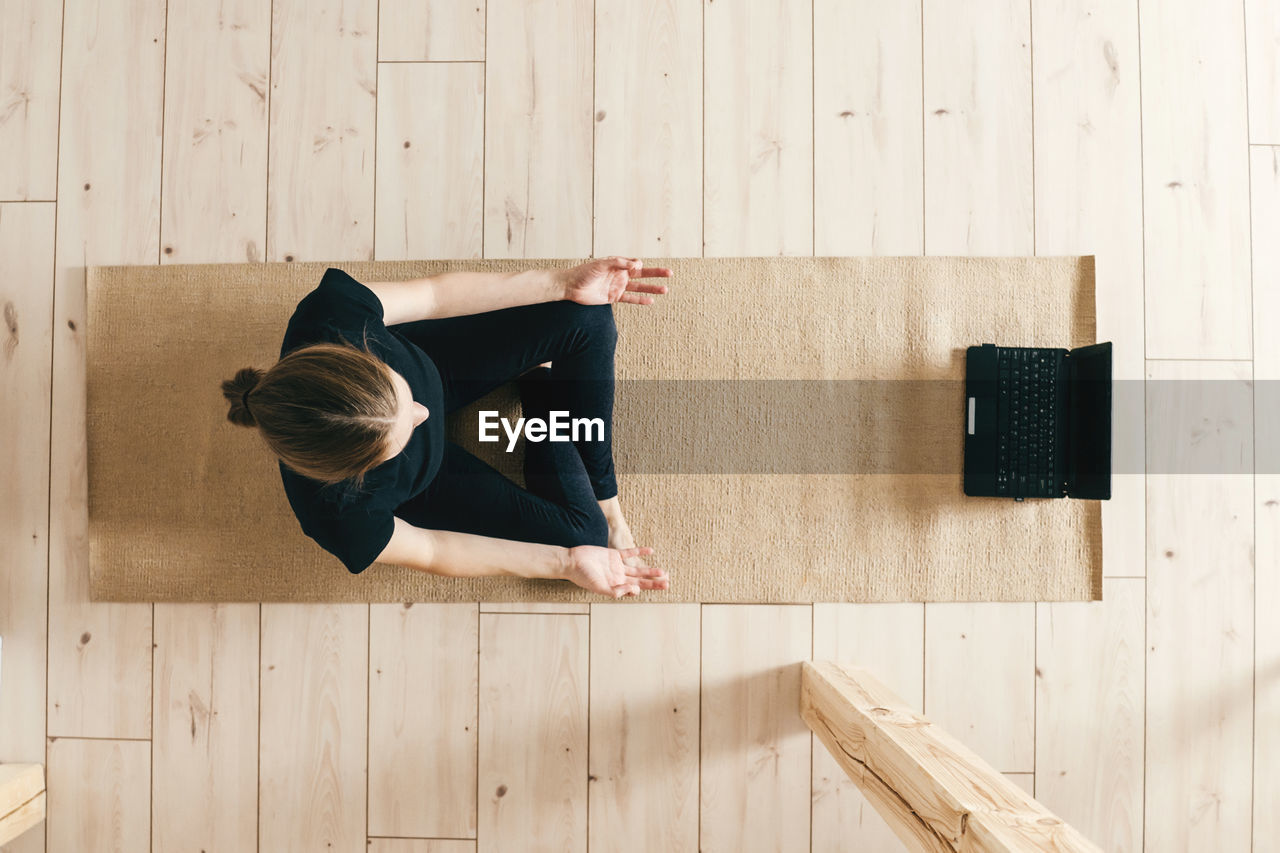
x: 26, y: 341
x: 648, y: 184
x: 979, y: 200
x: 755, y: 788
x: 421, y: 845
x: 422, y: 720
x: 538, y: 103
x: 1089, y: 713
x: 1196, y: 180
x: 1088, y: 182
x: 533, y: 732
x: 1265, y: 181
x: 979, y: 678
x: 758, y: 128
x: 206, y: 727
x: 977, y: 128
x: 108, y: 213
x: 215, y: 132
x: 322, y: 118
x: 888, y: 640
x: 868, y: 128
x: 1199, y: 606
x: 430, y: 182
x: 533, y: 607
x: 30, y: 54
x: 213, y: 201
x: 312, y: 784
x: 99, y: 796
x: 644, y: 728
x: 1262, y: 32
x: 434, y: 31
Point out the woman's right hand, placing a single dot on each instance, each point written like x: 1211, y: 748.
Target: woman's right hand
x: 602, y: 570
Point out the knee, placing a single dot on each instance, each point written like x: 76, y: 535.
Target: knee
x: 594, y: 322
x: 590, y: 528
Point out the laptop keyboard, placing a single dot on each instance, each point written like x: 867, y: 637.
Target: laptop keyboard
x: 1027, y: 455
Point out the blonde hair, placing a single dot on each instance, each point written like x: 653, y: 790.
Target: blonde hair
x: 326, y: 409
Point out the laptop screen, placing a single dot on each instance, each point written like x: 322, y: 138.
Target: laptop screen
x: 1091, y: 422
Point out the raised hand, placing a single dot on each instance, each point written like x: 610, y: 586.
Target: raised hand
x: 602, y: 570
x: 604, y: 280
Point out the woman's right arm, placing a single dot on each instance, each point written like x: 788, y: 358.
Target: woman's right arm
x: 453, y: 554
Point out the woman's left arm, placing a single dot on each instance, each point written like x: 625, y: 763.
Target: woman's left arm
x: 454, y: 294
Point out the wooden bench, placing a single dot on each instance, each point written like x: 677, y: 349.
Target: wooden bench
x: 932, y: 791
x: 21, y: 799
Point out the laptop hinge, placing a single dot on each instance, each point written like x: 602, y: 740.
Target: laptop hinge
x: 1073, y: 424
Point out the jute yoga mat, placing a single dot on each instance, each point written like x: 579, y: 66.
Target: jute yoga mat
x: 809, y: 487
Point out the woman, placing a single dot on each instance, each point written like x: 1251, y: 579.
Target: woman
x: 354, y: 409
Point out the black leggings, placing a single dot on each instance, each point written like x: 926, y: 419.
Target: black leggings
x: 564, y: 480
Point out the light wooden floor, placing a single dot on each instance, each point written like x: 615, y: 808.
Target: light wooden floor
x: 144, y: 132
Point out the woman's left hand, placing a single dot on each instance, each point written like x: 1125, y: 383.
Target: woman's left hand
x: 604, y: 280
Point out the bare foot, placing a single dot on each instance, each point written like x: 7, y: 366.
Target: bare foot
x: 620, y: 535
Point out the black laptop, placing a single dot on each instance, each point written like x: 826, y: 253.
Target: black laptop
x: 1038, y: 422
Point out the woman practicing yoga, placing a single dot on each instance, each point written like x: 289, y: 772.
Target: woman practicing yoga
x: 354, y: 409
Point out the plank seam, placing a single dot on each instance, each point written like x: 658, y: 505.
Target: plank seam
x: 151, y: 752
x: 257, y: 794
x: 1146, y: 637
x: 701, y: 724
x: 377, y: 101
x: 368, y: 684
x: 484, y: 172
x: 479, y: 620
x: 1031, y: 68
x: 266, y: 225
x: 590, y: 632
x: 1253, y: 555
x: 164, y: 79
x: 1142, y: 179
x: 48, y: 545
x: 1253, y: 353
x: 924, y: 652
x: 812, y: 641
x: 113, y: 739
x: 1248, y: 164
x: 924, y: 157
x: 1198, y: 360
x: 151, y: 788
x: 594, y: 39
